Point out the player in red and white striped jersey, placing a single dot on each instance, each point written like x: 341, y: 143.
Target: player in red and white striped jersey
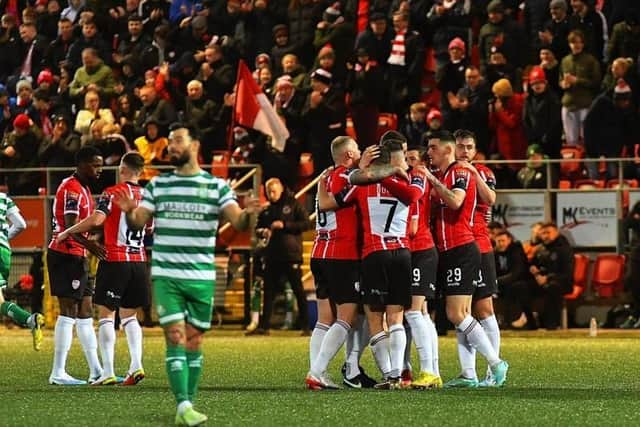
x: 386, y: 264
x: 122, y: 277
x: 487, y: 286
x: 454, y: 201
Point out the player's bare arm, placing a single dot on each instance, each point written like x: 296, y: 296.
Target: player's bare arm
x: 137, y: 216
x: 88, y: 224
x: 91, y: 245
x: 486, y: 193
x: 376, y: 173
x: 453, y: 199
x: 241, y: 218
x: 326, y: 201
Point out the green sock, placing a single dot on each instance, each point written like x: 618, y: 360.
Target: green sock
x: 15, y: 312
x: 256, y: 295
x: 194, y: 361
x: 176, y: 364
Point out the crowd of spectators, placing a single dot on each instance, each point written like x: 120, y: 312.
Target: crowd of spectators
x: 116, y: 73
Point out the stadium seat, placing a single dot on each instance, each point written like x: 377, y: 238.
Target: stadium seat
x: 569, y: 169
x: 351, y: 130
x: 220, y: 163
x: 589, y: 184
x: 386, y: 121
x: 608, y: 274
x: 580, y: 272
x: 564, y: 184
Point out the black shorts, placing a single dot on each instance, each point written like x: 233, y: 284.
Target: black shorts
x: 122, y: 284
x: 458, y: 270
x: 386, y: 279
x: 337, y: 279
x: 424, y: 272
x: 487, y: 282
x: 68, y: 275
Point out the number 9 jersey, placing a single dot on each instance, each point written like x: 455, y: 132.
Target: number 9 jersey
x: 121, y: 243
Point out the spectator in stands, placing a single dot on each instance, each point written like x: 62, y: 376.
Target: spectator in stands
x: 281, y: 47
x: 534, y: 174
x: 505, y: 176
x: 21, y: 103
x: 531, y: 246
x: 405, y: 66
x: 542, y: 114
x: 325, y: 114
x: 292, y: 68
x: 89, y: 39
x: 450, y: 78
x: 303, y: 17
x: 593, y: 26
x: 610, y: 127
x: 551, y: 67
x: 377, y: 38
x: 263, y: 60
x: 130, y: 76
x: 20, y: 150
x: 625, y: 37
x: 47, y: 19
x: 632, y: 224
x: 515, y: 283
x: 333, y: 30
x: 208, y: 118
x: 216, y: 74
x: 152, y: 106
x: 29, y: 54
x: 94, y: 75
x: 59, y: 48
x: 159, y: 51
x: 5, y: 110
x: 365, y: 81
x: 448, y: 21
x: 505, y: 118
x: 260, y: 21
x: 580, y: 79
x: 41, y: 112
x: 554, y: 33
x: 59, y: 150
x: 326, y: 60
x: 501, y: 30
x: 8, y: 44
x: 91, y: 112
x: 434, y: 124
x: 126, y: 115
x: 154, y: 13
x: 153, y: 148
x: 552, y: 269
x: 135, y: 42
x: 621, y: 69
x: 265, y: 81
x: 416, y: 124
x: 471, y: 110
x: 289, y: 103
x: 46, y: 81
x: 73, y: 11
x: 499, y: 67
x: 282, y: 223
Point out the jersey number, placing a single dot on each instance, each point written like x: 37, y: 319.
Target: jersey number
x: 416, y: 275
x: 134, y: 237
x: 322, y: 219
x: 454, y: 275
x: 392, y: 210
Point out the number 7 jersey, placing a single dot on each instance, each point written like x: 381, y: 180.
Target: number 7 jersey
x: 121, y: 243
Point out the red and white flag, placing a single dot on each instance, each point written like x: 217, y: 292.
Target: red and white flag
x: 253, y: 109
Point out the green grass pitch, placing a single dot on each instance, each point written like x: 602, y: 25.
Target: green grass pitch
x: 556, y: 379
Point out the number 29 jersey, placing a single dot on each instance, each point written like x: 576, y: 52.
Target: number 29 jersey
x: 337, y: 232
x: 121, y: 243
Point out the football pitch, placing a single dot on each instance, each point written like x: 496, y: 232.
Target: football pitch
x: 559, y: 378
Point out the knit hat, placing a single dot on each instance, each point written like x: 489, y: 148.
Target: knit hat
x: 284, y: 81
x: 457, y: 43
x: 537, y: 75
x: 23, y: 83
x: 262, y: 58
x: 434, y: 114
x: 326, y: 50
x: 377, y: 16
x: 502, y: 88
x: 21, y: 122
x: 622, y: 90
x: 558, y: 4
x: 534, y: 149
x: 280, y: 29
x: 331, y: 13
x: 45, y: 76
x: 495, y: 6
x: 322, y: 76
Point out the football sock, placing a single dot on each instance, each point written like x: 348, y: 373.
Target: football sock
x: 406, y: 365
x: 316, y: 341
x: 363, y: 336
x: 133, y: 331
x: 397, y: 343
x: 89, y: 343
x: 62, y: 337
x: 176, y: 364
x: 492, y: 329
x: 333, y: 340
x: 433, y: 336
x: 466, y: 356
x: 15, y: 312
x: 353, y: 348
x: 379, y: 344
x: 420, y: 334
x: 478, y: 339
x: 183, y: 406
x: 194, y: 362
x: 107, y: 340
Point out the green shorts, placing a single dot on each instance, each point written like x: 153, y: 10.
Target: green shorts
x: 5, y: 265
x: 191, y: 301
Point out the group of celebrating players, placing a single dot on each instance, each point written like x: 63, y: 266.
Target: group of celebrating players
x: 397, y: 227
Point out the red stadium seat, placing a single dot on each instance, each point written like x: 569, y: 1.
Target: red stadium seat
x: 220, y: 163
x: 608, y: 273
x: 580, y: 272
x: 571, y: 169
x: 589, y: 184
x: 564, y: 184
x: 386, y: 121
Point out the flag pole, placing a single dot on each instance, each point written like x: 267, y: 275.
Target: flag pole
x: 233, y: 112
